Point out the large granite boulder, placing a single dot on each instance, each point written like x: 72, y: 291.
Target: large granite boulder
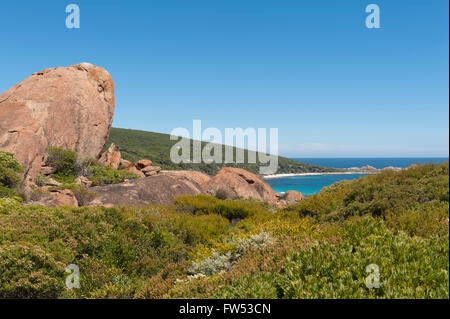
x: 69, y: 107
x: 160, y: 189
x: 240, y: 184
x: 198, y: 177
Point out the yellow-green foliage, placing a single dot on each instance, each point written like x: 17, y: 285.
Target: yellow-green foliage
x: 379, y: 195
x: 232, y: 210
x: 408, y: 267
x: 9, y: 175
x: 106, y: 175
x: 204, y: 247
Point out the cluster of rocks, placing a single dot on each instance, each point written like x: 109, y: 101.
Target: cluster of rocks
x: 370, y: 169
x: 73, y: 108
x: 142, y: 168
x: 163, y: 188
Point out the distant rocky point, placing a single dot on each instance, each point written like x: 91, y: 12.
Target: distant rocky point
x: 370, y: 169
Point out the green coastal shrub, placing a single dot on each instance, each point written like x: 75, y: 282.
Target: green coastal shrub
x: 28, y: 271
x: 378, y: 195
x: 9, y: 175
x: 106, y: 175
x: 408, y: 267
x: 224, y: 261
x: 204, y: 247
x: 64, y: 162
x: 230, y: 209
x: 41, y: 180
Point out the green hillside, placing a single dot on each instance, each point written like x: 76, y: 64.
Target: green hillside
x: 135, y: 145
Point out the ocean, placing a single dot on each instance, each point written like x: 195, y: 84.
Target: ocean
x: 309, y: 185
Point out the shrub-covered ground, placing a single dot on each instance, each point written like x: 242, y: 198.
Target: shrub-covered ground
x: 204, y: 247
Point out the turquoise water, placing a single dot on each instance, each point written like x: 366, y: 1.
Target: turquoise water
x: 308, y: 185
x: 378, y: 162
x: 313, y: 184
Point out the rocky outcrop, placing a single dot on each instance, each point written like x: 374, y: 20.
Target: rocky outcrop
x: 143, y: 168
x: 161, y: 189
x: 151, y: 170
x: 69, y: 107
x: 135, y: 171
x: 198, y: 177
x: 143, y: 164
x: 57, y: 198
x: 83, y: 181
x: 111, y: 157
x: 240, y: 184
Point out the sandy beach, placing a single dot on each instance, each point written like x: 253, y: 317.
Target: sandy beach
x: 314, y: 174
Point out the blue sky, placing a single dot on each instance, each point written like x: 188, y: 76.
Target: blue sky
x: 312, y: 69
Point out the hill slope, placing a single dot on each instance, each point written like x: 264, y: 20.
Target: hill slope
x: 135, y: 145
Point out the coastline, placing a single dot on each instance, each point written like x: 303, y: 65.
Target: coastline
x: 274, y: 176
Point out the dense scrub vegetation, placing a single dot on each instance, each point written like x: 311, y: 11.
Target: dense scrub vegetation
x: 9, y: 175
x: 68, y: 166
x: 135, y: 145
x: 205, y: 247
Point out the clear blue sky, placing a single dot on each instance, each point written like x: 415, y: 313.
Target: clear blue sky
x: 310, y: 68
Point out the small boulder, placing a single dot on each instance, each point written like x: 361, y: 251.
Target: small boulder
x: 52, y: 182
x: 111, y: 157
x: 134, y: 170
x: 125, y: 163
x: 83, y: 181
x: 151, y: 170
x: 48, y: 170
x: 143, y: 163
x: 292, y: 197
x: 58, y: 198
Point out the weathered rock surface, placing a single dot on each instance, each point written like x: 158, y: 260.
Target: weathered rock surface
x: 151, y: 170
x: 125, y: 163
x: 69, y: 107
x: 161, y: 189
x: 292, y: 197
x: 56, y: 199
x: 143, y: 164
x: 198, y: 177
x: 83, y: 181
x: 240, y: 183
x: 47, y: 170
x: 134, y: 170
x: 111, y: 157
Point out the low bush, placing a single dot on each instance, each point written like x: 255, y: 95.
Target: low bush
x: 41, y: 180
x: 9, y: 175
x: 408, y: 268
x: 106, y: 175
x: 64, y: 162
x: 83, y: 196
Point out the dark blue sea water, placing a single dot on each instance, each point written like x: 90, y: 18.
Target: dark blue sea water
x: 313, y: 184
x: 375, y: 162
